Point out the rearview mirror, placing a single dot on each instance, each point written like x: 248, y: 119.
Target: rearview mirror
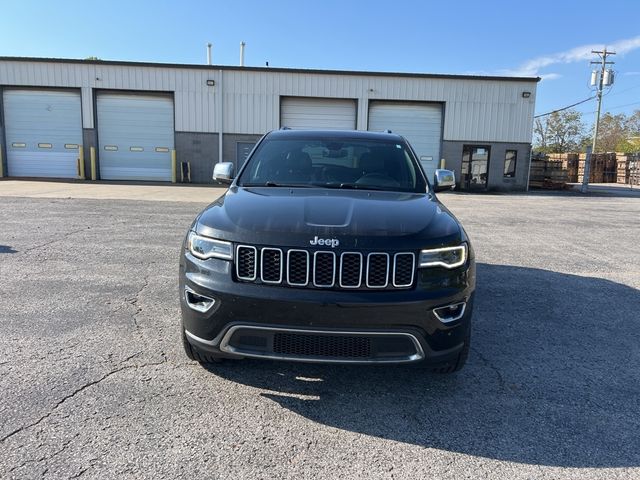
x: 223, y: 172
x: 444, y: 180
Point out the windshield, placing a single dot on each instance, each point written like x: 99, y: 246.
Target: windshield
x: 333, y: 163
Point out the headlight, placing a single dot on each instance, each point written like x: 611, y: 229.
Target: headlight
x: 203, y: 247
x: 448, y: 257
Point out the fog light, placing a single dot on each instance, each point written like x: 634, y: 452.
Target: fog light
x: 450, y: 313
x: 198, y: 302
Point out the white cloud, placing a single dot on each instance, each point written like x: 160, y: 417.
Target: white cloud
x: 533, y: 67
x: 550, y: 76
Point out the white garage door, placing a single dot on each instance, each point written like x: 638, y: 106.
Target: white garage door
x: 43, y: 132
x: 317, y: 113
x: 419, y: 123
x: 135, y: 135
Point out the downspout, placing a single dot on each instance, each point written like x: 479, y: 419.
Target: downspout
x: 221, y: 119
x: 529, y: 168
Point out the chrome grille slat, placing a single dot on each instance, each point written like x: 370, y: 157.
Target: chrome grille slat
x: 324, y: 264
x: 400, y: 274
x: 325, y: 269
x: 246, y: 264
x: 377, y: 270
x: 295, y: 267
x: 347, y: 268
x: 271, y: 265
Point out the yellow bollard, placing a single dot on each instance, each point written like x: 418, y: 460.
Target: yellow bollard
x: 92, y: 152
x: 81, y: 162
x: 442, y: 162
x: 173, y: 166
x: 1, y: 165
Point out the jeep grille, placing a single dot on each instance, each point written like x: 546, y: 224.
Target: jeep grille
x: 325, y: 269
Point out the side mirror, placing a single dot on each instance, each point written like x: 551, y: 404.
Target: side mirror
x: 223, y: 172
x: 444, y: 180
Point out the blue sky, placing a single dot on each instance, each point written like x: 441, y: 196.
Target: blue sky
x: 547, y: 38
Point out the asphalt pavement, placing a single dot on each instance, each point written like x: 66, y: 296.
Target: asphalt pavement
x: 94, y: 383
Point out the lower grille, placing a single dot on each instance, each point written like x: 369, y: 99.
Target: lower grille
x: 303, y: 345
x: 321, y: 346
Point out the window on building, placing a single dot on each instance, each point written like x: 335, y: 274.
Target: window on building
x: 510, y: 163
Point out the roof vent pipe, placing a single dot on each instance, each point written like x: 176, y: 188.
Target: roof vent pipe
x: 242, y: 44
x: 208, y: 54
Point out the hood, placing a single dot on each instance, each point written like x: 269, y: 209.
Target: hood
x: 294, y: 217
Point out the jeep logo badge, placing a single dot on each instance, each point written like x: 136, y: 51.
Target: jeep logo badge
x: 329, y: 242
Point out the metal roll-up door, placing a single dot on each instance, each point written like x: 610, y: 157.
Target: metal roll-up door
x: 419, y: 123
x: 317, y: 113
x: 135, y: 136
x: 43, y: 132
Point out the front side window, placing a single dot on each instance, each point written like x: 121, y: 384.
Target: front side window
x: 510, y: 163
x: 333, y: 163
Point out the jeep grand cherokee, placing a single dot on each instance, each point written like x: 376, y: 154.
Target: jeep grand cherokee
x: 328, y: 247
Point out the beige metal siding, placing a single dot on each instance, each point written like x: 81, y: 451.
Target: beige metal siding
x: 475, y: 109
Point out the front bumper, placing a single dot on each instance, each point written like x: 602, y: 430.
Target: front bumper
x: 256, y: 320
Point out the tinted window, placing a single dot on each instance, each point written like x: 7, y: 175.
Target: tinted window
x: 334, y: 163
x: 510, y: 163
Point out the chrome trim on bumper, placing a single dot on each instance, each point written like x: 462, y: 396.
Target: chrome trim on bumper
x: 225, y: 347
x: 451, y: 319
x: 192, y: 306
x: 195, y: 338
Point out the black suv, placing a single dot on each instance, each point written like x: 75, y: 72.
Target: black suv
x: 328, y: 247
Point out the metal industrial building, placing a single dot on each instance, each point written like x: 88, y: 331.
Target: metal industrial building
x: 131, y: 118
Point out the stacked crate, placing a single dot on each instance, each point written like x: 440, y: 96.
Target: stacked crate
x: 536, y: 171
x: 569, y: 164
x: 548, y: 172
x: 609, y: 167
x: 602, y: 166
x: 634, y: 169
x: 622, y: 168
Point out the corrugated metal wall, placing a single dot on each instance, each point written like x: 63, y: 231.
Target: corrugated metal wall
x: 475, y: 110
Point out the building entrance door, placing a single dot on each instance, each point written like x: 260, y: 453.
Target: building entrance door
x: 475, y: 167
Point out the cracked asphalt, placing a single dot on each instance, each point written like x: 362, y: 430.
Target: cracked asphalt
x: 94, y: 383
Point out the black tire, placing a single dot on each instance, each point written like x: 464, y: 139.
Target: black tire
x: 194, y: 354
x: 460, y: 361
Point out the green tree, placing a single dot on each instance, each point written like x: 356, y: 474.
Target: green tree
x: 617, y: 133
x: 632, y: 127
x: 611, y: 132
x: 559, y: 132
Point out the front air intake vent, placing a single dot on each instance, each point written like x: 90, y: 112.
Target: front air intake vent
x: 329, y: 346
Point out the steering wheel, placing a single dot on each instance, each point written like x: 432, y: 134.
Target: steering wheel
x: 376, y: 178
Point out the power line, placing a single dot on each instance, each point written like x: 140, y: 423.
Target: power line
x: 622, y: 106
x: 612, y: 108
x: 622, y: 91
x: 564, y: 108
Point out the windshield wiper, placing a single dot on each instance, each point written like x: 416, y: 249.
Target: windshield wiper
x: 352, y: 186
x: 274, y: 184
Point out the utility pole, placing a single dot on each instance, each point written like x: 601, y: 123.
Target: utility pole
x: 604, y: 79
